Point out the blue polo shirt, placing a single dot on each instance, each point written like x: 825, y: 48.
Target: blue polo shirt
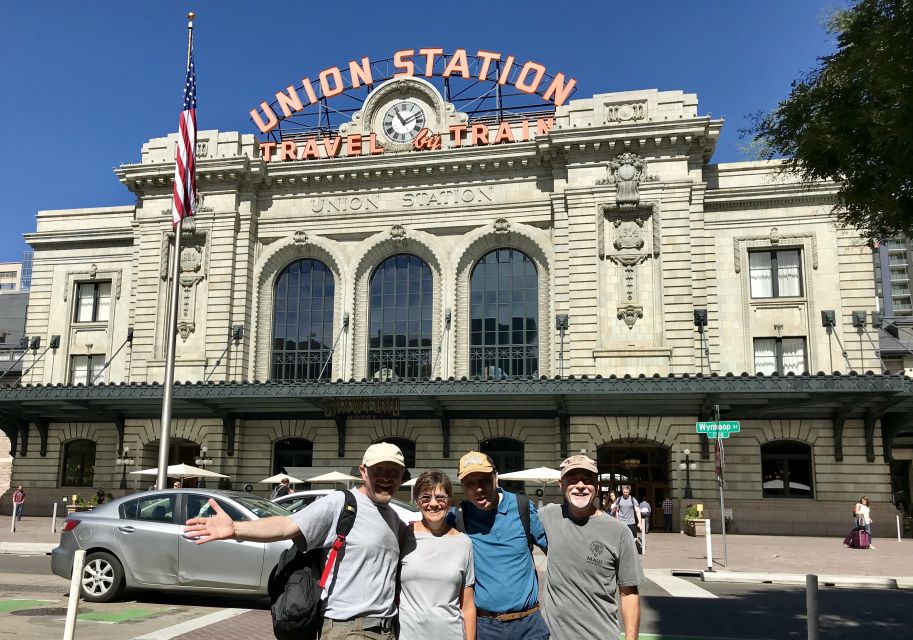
x: 505, y: 573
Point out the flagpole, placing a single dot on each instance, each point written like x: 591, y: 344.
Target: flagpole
x: 171, y: 328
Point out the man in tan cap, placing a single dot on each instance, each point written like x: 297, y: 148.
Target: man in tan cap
x: 507, y: 589
x: 360, y: 598
x: 591, y: 555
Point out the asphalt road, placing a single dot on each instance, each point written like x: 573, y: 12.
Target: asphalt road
x: 33, y: 602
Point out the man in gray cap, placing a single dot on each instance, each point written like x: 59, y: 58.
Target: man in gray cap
x: 591, y: 555
x: 360, y: 599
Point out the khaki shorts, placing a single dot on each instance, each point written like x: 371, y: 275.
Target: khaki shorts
x: 357, y: 629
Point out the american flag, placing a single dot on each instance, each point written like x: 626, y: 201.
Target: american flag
x: 185, y: 178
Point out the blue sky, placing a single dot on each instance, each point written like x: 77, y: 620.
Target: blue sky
x: 86, y: 83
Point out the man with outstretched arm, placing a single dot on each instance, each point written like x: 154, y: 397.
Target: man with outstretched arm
x: 359, y: 601
x: 591, y: 555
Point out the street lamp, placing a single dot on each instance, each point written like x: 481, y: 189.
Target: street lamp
x: 202, y: 461
x: 687, y: 466
x: 124, y: 459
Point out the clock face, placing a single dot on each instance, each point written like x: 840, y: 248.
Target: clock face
x: 403, y: 120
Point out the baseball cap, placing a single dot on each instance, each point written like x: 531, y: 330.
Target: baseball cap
x: 474, y: 462
x: 578, y: 462
x: 385, y: 452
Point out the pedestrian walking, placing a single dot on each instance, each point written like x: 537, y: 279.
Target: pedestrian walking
x: 507, y: 589
x: 437, y: 572
x: 645, y: 513
x: 667, y: 515
x: 610, y: 506
x: 100, y: 496
x: 360, y: 599
x: 18, y: 502
x: 590, y: 558
x: 864, y: 516
x: 628, y: 511
x: 282, y: 489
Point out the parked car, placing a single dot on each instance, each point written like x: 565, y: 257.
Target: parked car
x: 137, y: 542
x: 297, y: 501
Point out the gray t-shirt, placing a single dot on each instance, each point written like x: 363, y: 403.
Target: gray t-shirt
x: 363, y: 582
x: 434, y: 570
x: 586, y: 563
x: 626, y: 510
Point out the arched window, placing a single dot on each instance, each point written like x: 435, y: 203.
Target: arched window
x: 504, y: 316
x: 786, y: 470
x: 508, y: 455
x: 303, y: 322
x: 78, y: 464
x: 399, y: 322
x: 405, y: 445
x: 292, y: 452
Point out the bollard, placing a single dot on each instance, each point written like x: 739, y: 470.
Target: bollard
x: 709, y: 545
x: 811, y: 605
x: 13, y: 521
x: 73, y: 605
x: 898, y: 528
x: 54, y: 518
x: 643, y: 542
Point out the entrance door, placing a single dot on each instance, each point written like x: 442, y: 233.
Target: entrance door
x: 644, y: 466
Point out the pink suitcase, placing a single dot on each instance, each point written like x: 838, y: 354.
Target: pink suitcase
x: 858, y: 539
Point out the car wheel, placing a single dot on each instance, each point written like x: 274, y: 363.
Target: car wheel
x: 102, y: 578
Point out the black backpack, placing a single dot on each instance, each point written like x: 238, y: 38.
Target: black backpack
x: 457, y: 522
x: 296, y: 582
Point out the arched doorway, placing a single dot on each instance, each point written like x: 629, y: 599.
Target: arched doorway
x: 643, y: 465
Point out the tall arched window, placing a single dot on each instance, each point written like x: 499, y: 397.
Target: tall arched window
x: 504, y: 316
x: 508, y: 455
x: 78, y: 464
x: 303, y: 322
x: 786, y: 470
x: 405, y: 445
x: 292, y: 452
x: 399, y: 322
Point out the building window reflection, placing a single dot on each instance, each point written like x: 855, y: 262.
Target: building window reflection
x: 78, y: 464
x: 786, y: 470
x: 399, y: 319
x: 504, y: 316
x: 303, y: 323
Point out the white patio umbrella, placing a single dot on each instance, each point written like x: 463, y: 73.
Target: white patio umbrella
x: 542, y: 475
x: 180, y: 471
x: 334, y: 476
x: 279, y: 477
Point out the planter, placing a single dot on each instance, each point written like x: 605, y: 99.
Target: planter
x: 73, y: 508
x: 695, y: 528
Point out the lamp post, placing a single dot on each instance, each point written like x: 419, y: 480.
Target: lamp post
x: 687, y: 466
x: 202, y: 461
x: 124, y: 459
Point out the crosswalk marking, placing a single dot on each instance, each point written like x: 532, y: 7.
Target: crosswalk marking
x: 676, y: 587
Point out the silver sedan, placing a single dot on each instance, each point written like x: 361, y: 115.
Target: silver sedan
x: 136, y: 542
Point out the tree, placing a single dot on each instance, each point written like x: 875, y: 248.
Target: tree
x: 851, y: 119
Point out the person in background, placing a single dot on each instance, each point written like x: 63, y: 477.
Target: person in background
x: 18, y: 502
x: 667, y: 515
x: 610, y: 506
x: 100, y: 496
x: 282, y: 490
x: 645, y: 513
x: 864, y: 516
x: 590, y: 558
x: 628, y: 510
x: 177, y: 484
x: 437, y: 575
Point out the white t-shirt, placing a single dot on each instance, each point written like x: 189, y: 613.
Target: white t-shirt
x: 862, y: 513
x: 363, y: 582
x: 433, y: 574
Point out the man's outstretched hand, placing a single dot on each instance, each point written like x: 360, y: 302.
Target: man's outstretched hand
x: 216, y: 527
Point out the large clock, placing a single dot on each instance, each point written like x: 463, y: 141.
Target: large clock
x: 403, y: 120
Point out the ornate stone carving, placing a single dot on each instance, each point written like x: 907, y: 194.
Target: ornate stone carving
x: 630, y: 314
x: 191, y: 258
x: 628, y: 234
x: 202, y: 148
x: 398, y: 232
x: 301, y: 237
x: 627, y: 171
x: 625, y: 112
x: 501, y: 225
x: 185, y: 328
x: 775, y: 238
x: 93, y: 271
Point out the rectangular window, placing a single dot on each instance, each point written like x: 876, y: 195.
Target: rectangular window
x: 780, y: 355
x: 93, y: 301
x: 775, y: 274
x: 85, y: 369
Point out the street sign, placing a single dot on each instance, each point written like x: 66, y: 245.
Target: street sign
x: 718, y: 429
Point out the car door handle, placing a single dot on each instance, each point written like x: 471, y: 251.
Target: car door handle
x: 127, y: 529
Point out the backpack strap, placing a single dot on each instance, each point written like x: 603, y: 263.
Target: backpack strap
x: 456, y: 520
x: 523, y: 508
x: 343, y: 527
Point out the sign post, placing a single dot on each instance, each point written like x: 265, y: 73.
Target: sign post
x: 719, y: 430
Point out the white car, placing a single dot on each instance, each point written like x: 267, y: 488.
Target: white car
x: 297, y: 501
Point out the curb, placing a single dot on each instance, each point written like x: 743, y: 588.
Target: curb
x: 799, y: 579
x: 26, y: 548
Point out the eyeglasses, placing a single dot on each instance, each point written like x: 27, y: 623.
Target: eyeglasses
x: 425, y: 499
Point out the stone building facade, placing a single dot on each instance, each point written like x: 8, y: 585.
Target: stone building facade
x: 628, y: 276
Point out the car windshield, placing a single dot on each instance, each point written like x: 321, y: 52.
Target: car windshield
x: 261, y: 507
x: 408, y: 506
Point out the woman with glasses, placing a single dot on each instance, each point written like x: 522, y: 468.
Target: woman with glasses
x: 436, y: 570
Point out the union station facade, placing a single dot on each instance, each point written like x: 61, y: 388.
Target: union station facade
x: 582, y: 279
